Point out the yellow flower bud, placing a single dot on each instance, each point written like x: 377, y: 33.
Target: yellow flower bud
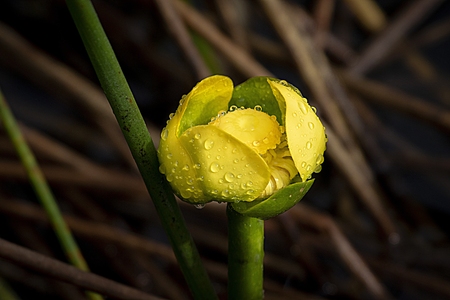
x: 215, y: 150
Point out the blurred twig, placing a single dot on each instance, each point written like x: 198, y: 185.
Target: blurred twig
x: 54, y: 268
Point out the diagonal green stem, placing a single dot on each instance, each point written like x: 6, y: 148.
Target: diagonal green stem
x: 133, y: 127
x: 42, y: 189
x: 245, y: 256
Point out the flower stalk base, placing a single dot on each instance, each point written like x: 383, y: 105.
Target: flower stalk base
x: 245, y: 256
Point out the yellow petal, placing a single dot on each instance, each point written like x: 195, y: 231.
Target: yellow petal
x: 305, y: 133
x: 227, y: 169
x: 256, y: 129
x: 204, y: 102
x: 177, y: 165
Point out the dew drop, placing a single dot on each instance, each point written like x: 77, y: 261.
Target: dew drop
x: 236, y: 161
x: 182, y: 99
x: 308, y: 145
x: 171, y: 116
x: 303, y: 164
x: 311, y: 125
x: 229, y: 177
x: 233, y: 108
x: 319, y: 159
x: 164, y: 134
x: 214, y: 167
x: 186, y: 194
x: 199, y: 206
x: 258, y: 108
x: 265, y: 140
x: 185, y: 168
x: 284, y: 82
x: 169, y: 155
x: 221, y: 181
x: 250, y: 192
x: 197, y: 166
x: 314, y: 109
x: 250, y: 183
x: 302, y: 107
x: 208, y: 144
x: 225, y: 193
x: 255, y: 143
x: 294, y: 115
x: 197, y: 136
x: 170, y: 177
x: 318, y: 169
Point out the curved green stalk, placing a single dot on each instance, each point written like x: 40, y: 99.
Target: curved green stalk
x: 136, y: 134
x: 245, y: 256
x: 42, y: 190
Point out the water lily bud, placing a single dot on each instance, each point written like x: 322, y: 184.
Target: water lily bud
x: 243, y: 144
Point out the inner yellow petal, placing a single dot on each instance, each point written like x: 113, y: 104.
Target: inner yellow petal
x: 254, y: 128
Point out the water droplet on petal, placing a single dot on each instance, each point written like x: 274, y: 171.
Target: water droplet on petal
x: 185, y: 168
x: 164, y: 134
x: 258, y: 108
x: 302, y: 107
x: 229, y: 177
x: 169, y: 155
x: 284, y: 82
x: 308, y: 145
x: 318, y: 169
x: 197, y: 136
x: 214, y: 167
x: 319, y: 159
x: 208, y: 144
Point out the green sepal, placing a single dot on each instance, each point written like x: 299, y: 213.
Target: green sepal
x: 256, y: 91
x: 276, y: 204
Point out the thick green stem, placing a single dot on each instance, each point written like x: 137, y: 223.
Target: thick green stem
x: 245, y: 256
x: 136, y: 134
